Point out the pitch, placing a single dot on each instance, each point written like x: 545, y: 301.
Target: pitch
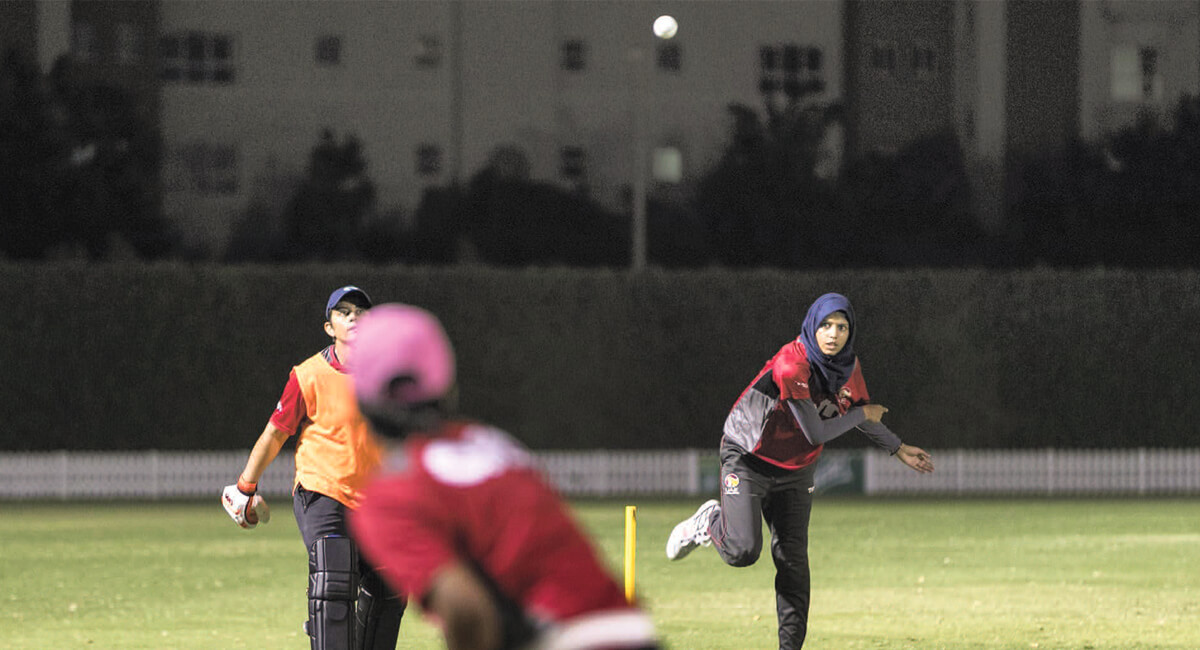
x: 887, y: 573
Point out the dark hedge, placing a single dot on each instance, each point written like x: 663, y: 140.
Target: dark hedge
x: 194, y: 357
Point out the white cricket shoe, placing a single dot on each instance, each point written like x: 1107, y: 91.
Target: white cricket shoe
x: 692, y: 532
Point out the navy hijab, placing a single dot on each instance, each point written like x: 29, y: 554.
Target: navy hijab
x: 829, y: 372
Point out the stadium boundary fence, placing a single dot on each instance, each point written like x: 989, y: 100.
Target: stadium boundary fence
x: 1048, y: 472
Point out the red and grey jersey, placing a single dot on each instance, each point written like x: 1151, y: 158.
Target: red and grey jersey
x: 473, y: 495
x: 760, y: 422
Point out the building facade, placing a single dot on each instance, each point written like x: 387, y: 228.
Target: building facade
x: 586, y: 96
x: 433, y: 89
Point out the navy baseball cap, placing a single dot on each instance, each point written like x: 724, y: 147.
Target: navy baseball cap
x: 340, y: 294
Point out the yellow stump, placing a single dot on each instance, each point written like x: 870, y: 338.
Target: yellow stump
x: 630, y: 550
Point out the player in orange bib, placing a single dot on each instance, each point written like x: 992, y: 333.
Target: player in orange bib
x: 349, y: 606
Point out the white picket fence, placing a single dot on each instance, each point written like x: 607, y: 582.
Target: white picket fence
x: 1047, y: 472
x: 161, y: 475
x: 158, y: 474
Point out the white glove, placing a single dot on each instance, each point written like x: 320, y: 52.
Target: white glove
x: 247, y: 512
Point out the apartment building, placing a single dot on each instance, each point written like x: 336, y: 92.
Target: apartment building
x: 588, y: 96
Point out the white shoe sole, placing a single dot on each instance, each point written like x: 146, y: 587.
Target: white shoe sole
x: 676, y: 542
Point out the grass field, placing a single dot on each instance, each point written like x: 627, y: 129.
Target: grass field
x: 886, y: 574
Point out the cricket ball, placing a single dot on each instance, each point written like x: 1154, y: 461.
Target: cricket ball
x: 665, y: 26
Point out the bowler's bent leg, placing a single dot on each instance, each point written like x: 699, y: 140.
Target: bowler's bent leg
x: 736, y: 532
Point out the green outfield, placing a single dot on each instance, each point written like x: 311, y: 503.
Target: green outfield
x: 1117, y: 574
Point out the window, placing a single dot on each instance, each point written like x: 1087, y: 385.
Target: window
x: 85, y: 42
x: 429, y: 52
x: 883, y: 58
x: 768, y: 64
x: 201, y: 168
x: 666, y: 165
x: 169, y: 49
x: 574, y: 55
x: 329, y: 50
x: 572, y: 163
x: 792, y: 59
x: 670, y: 57
x: 924, y: 61
x: 429, y: 160
x: 791, y: 68
x: 814, y: 60
x: 1135, y: 74
x: 128, y: 44
x: 197, y: 57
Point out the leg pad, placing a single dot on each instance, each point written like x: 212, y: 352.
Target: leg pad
x: 332, y: 590
x: 379, y: 614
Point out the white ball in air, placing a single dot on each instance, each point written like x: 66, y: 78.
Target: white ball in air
x: 665, y: 27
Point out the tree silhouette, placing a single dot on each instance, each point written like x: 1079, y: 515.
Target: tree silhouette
x: 325, y: 215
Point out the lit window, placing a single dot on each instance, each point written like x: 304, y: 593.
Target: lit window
x: 329, y: 50
x: 667, y: 165
x: 574, y: 55
x: 1135, y: 74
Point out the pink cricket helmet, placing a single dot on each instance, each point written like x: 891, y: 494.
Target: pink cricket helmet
x: 402, y: 357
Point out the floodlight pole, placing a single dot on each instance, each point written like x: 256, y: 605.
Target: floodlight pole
x: 638, y: 235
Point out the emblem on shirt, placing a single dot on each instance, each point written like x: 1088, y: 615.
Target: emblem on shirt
x: 279, y: 407
x: 844, y: 397
x: 731, y: 484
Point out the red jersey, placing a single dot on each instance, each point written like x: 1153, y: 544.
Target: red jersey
x: 473, y: 495
x: 761, y: 423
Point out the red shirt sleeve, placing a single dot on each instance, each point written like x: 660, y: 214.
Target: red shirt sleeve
x: 859, y: 386
x: 791, y: 374
x: 290, y: 410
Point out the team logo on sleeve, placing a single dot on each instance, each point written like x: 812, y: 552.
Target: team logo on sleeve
x: 731, y: 484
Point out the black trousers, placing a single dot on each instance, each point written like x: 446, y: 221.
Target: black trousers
x: 319, y: 516
x: 752, y: 491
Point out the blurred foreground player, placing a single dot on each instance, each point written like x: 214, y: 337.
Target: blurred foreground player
x: 349, y: 607
x: 461, y: 521
x: 809, y: 393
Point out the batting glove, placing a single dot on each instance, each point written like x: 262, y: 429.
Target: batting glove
x: 240, y: 502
